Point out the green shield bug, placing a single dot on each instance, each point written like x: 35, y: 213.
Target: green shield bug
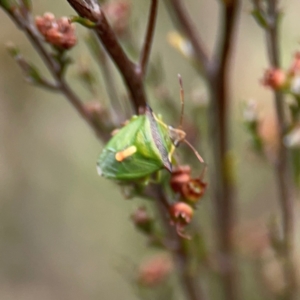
x: 142, y: 147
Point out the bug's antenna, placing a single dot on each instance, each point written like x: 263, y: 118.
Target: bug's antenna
x: 181, y: 99
x: 194, y: 150
x: 203, y: 173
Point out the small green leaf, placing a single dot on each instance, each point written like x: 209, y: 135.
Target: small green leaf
x: 84, y: 22
x: 259, y: 18
x: 27, y: 4
x: 252, y: 128
x: 8, y: 4
x: 13, y: 50
x: 62, y: 58
x: 32, y: 74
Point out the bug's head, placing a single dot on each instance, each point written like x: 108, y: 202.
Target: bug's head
x: 176, y: 135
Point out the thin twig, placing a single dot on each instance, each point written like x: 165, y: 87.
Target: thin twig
x: 184, y: 21
x: 45, y: 84
x: 145, y: 53
x: 283, y: 172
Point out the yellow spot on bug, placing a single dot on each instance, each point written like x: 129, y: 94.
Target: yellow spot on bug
x: 121, y: 155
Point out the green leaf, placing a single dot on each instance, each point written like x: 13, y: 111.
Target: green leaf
x: 83, y: 21
x: 27, y: 4
x: 259, y: 18
x: 8, y: 5
x: 31, y: 72
x: 13, y: 50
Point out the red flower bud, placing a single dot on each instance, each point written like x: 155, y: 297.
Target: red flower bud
x: 57, y: 32
x: 180, y: 176
x: 193, y: 190
x: 181, y: 215
x: 274, y: 79
x: 190, y: 189
x: 142, y: 220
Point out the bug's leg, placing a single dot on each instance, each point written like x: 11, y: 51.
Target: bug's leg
x: 145, y: 181
x: 159, y: 120
x: 156, y: 177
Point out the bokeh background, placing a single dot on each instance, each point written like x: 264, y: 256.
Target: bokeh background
x: 65, y: 233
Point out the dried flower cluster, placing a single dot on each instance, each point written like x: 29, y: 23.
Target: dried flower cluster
x: 190, y: 190
x: 57, y: 32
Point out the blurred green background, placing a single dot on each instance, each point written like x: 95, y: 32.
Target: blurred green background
x: 65, y: 232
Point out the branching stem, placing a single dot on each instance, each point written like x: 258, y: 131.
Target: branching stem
x: 283, y: 172
x: 54, y: 69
